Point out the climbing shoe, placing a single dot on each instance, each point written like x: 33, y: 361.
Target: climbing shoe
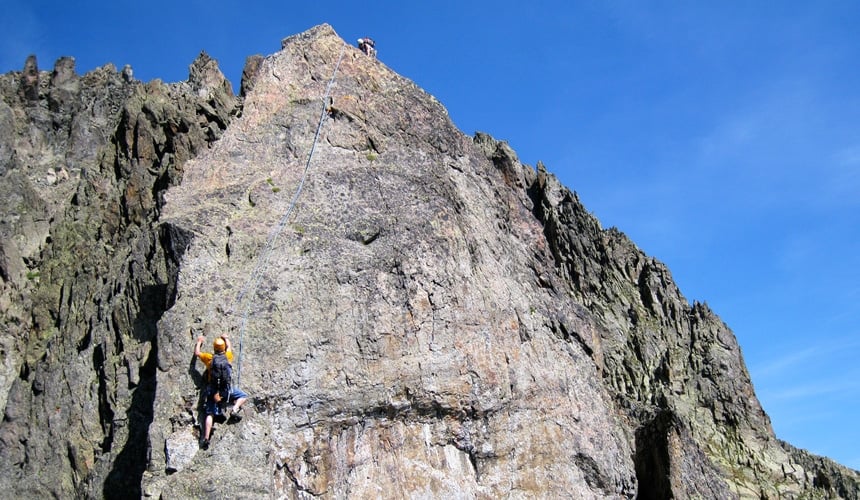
x: 235, y: 415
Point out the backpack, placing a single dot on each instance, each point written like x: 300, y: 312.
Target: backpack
x: 220, y: 373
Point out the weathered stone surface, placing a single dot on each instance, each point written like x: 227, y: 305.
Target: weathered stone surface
x: 179, y: 450
x: 249, y: 73
x: 84, y: 271
x: 28, y: 89
x: 429, y: 318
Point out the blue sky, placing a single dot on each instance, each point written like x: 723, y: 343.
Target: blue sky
x: 722, y: 136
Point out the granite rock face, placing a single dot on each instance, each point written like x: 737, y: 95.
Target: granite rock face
x: 415, y: 313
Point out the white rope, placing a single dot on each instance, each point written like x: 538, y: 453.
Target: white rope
x: 256, y: 275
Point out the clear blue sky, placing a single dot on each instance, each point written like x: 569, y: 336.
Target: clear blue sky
x: 722, y: 136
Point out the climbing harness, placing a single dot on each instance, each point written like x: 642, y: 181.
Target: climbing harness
x: 256, y: 275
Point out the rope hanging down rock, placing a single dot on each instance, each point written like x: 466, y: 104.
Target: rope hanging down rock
x: 257, y: 274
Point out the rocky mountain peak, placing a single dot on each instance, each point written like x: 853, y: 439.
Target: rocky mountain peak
x: 413, y: 311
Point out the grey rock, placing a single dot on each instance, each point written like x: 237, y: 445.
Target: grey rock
x: 249, y: 74
x: 64, y: 72
x: 180, y: 449
x: 425, y: 317
x: 64, y: 87
x: 28, y: 89
x: 85, y: 274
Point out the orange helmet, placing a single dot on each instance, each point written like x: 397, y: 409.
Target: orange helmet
x: 219, y: 345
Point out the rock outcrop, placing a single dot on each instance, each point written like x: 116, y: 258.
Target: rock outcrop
x: 415, y: 312
x: 85, y: 275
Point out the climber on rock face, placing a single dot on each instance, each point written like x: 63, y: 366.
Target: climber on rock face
x: 218, y: 391
x: 368, y: 46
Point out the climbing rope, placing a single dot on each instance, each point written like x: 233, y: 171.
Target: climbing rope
x: 256, y: 275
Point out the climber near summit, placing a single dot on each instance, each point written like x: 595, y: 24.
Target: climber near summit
x: 218, y: 392
x: 368, y: 46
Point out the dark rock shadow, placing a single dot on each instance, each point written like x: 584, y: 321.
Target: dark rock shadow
x: 125, y: 478
x: 652, y: 459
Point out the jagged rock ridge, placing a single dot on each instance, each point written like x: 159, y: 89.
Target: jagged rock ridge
x: 436, y: 319
x: 86, y: 273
